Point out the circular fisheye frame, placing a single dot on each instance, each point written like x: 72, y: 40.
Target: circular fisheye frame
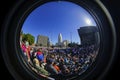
x: 58, y: 40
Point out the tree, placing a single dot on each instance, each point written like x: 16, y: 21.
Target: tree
x: 28, y: 37
x: 72, y: 44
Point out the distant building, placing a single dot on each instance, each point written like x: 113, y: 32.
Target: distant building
x: 50, y: 44
x: 60, y: 39
x: 65, y: 43
x: 42, y: 41
x: 89, y: 35
x: 61, y: 43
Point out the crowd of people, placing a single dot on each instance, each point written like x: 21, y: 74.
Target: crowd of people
x: 52, y: 61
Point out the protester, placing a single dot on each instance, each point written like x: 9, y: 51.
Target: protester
x: 50, y: 68
x: 39, y: 68
x: 40, y: 55
x: 49, y: 62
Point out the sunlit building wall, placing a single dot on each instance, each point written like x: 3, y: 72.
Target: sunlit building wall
x: 42, y: 40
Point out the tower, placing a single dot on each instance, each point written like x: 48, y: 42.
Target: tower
x: 60, y: 39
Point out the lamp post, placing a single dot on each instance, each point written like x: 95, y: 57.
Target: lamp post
x: 71, y: 36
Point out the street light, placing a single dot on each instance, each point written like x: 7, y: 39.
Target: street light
x: 71, y: 36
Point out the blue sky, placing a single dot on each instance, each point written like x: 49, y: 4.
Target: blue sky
x: 53, y: 18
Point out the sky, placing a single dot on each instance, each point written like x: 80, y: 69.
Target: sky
x: 53, y: 18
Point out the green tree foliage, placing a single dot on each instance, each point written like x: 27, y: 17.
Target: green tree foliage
x: 73, y: 44
x: 28, y: 37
